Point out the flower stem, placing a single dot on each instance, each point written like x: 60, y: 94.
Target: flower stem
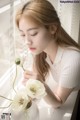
x: 22, y: 67
x: 6, y: 98
x: 15, y: 80
x: 6, y: 107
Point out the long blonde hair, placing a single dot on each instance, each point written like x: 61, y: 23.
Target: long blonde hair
x: 43, y: 12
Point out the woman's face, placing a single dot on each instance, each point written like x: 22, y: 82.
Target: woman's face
x: 35, y: 35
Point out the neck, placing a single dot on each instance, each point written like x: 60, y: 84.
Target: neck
x: 51, y: 50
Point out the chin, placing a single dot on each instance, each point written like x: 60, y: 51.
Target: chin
x: 37, y: 52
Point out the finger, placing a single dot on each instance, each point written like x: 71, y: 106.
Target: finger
x: 30, y: 77
x: 28, y: 72
x: 27, y: 76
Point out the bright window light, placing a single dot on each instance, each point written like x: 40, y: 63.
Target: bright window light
x: 3, y: 9
x: 67, y: 115
x: 7, y: 7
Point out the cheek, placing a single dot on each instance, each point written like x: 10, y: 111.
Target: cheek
x: 43, y: 41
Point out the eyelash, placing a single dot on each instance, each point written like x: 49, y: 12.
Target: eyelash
x: 34, y: 34
x: 31, y: 35
x: 22, y: 35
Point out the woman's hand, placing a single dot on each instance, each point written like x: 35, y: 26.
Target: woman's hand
x: 29, y: 75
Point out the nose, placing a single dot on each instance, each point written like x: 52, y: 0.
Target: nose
x: 28, y: 41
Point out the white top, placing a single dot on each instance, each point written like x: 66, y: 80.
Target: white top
x: 64, y: 71
x: 66, y: 68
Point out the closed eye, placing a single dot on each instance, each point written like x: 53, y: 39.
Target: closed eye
x: 33, y: 34
x: 22, y: 35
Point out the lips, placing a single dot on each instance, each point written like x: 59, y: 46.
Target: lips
x: 32, y: 49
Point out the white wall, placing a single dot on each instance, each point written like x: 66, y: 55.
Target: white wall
x: 75, y: 22
x: 69, y: 15
x: 4, y: 21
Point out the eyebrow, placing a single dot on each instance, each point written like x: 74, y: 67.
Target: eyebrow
x: 32, y: 29
x: 29, y: 29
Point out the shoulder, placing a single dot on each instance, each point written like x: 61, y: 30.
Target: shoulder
x: 70, y: 69
x: 70, y: 64
x: 71, y: 56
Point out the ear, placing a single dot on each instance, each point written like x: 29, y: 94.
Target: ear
x: 53, y: 29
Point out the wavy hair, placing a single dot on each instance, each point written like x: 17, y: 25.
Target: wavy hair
x: 44, y: 12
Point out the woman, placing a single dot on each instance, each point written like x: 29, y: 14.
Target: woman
x: 55, y: 52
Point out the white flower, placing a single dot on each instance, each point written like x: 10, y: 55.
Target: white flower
x: 20, y: 101
x: 35, y: 89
